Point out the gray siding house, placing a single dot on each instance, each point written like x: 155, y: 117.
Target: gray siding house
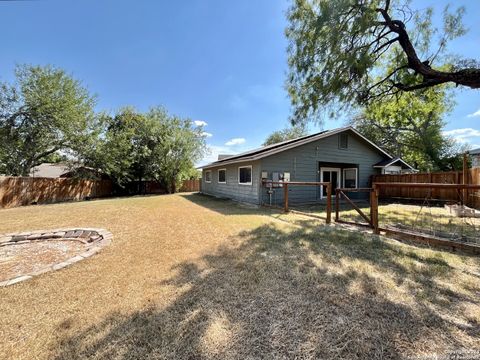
x: 342, y: 156
x: 475, y: 157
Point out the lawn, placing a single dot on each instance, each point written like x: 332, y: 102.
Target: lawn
x: 430, y: 219
x: 189, y: 276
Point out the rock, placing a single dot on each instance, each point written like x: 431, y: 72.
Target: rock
x: 16, y: 238
x: 77, y: 233
x: 85, y: 234
x: 5, y: 239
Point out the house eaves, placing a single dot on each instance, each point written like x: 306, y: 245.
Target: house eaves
x: 260, y: 153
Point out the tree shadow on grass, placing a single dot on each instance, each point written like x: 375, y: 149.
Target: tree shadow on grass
x: 226, y: 206
x: 310, y: 292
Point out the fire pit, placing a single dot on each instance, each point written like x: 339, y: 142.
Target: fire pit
x: 27, y: 254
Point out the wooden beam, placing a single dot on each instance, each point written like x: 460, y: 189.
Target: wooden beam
x: 355, y: 189
x: 374, y: 209
x: 465, y: 179
x: 329, y: 203
x: 430, y: 240
x: 356, y: 208
x: 428, y: 185
x: 305, y: 183
x: 337, y: 204
x: 353, y: 223
x: 285, y: 196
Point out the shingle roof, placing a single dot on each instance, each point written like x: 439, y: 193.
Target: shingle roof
x: 388, y: 162
x: 474, y: 151
x: 49, y: 170
x: 265, y: 151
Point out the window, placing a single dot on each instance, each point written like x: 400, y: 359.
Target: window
x: 208, y: 176
x: 245, y: 175
x: 343, y: 141
x: 350, y: 178
x: 222, y: 176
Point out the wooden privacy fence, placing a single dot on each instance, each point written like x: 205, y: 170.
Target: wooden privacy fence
x: 17, y: 191
x: 469, y: 196
x: 190, y: 185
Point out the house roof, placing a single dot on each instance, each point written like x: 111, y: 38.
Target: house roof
x: 389, y: 162
x: 49, y: 170
x: 474, y: 152
x: 265, y: 151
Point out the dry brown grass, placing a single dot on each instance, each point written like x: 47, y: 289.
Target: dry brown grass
x: 192, y: 277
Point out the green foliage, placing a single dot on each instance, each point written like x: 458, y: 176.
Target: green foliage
x: 45, y: 111
x: 179, y: 146
x: 411, y: 127
x: 151, y: 146
x: 285, y: 134
x: 344, y: 53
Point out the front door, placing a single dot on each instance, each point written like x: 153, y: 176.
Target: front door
x: 330, y: 175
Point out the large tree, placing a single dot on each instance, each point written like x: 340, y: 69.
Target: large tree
x: 411, y: 126
x: 180, y: 145
x: 43, y: 112
x: 348, y: 52
x: 285, y: 134
x: 136, y: 146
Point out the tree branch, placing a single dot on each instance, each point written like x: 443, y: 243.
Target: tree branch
x: 431, y: 77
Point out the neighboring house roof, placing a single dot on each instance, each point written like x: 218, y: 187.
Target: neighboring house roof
x: 390, y: 162
x: 474, y: 152
x: 84, y: 172
x: 49, y: 170
x: 265, y: 151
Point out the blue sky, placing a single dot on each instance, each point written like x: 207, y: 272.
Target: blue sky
x: 218, y: 62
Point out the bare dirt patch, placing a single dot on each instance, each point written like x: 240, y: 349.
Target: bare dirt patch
x: 20, y: 259
x: 27, y: 254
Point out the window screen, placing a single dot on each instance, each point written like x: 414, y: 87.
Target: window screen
x: 222, y: 175
x: 208, y: 176
x: 350, y: 178
x: 245, y: 175
x: 343, y: 141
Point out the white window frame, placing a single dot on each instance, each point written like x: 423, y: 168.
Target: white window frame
x: 206, y: 172
x: 356, y: 177
x: 251, y: 175
x: 339, y: 175
x: 218, y: 176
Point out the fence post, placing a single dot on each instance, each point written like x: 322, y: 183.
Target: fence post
x: 329, y: 203
x: 465, y: 179
x: 285, y: 196
x: 374, y: 209
x: 337, y: 205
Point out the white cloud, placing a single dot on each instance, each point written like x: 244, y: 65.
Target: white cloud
x: 235, y: 141
x: 213, y: 152
x: 200, y: 123
x: 463, y: 133
x: 476, y: 113
x: 207, y: 134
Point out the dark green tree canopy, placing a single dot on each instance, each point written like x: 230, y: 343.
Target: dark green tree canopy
x: 411, y: 128
x: 43, y: 112
x: 285, y: 134
x: 348, y: 52
x: 134, y: 146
